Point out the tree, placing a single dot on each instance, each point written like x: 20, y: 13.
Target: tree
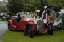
x: 57, y: 4
x: 14, y: 6
x: 36, y: 4
x: 54, y: 2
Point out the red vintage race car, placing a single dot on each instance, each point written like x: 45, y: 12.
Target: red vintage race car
x: 30, y: 25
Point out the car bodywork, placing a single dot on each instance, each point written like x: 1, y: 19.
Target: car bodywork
x: 24, y: 22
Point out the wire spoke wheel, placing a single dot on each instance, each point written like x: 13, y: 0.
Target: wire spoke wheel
x: 50, y: 29
x: 9, y: 26
x: 29, y: 31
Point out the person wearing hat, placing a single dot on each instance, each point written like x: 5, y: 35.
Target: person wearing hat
x: 52, y: 14
x: 45, y: 15
x: 44, y: 18
x: 31, y: 14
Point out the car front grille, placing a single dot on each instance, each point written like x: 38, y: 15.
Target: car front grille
x: 39, y: 25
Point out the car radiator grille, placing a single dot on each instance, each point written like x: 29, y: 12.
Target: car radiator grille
x: 39, y: 25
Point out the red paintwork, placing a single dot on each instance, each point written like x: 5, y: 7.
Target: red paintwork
x: 22, y: 24
x: 12, y: 26
x: 50, y: 21
x: 44, y: 17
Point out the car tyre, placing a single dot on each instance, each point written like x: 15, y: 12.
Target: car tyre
x: 29, y: 31
x: 51, y: 29
x: 9, y: 26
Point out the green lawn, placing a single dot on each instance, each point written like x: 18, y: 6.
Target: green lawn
x: 0, y: 19
x: 60, y: 18
x: 18, y: 36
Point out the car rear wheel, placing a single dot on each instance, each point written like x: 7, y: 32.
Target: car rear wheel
x: 9, y: 26
x: 29, y: 31
x: 50, y: 29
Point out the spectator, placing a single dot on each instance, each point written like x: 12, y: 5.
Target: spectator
x: 31, y: 14
x: 44, y: 18
x: 57, y: 15
x: 17, y: 13
x: 44, y: 15
x: 52, y: 14
x: 34, y: 15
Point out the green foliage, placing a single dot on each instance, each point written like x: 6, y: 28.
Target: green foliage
x: 14, y: 6
x: 57, y: 4
x: 28, y: 8
x: 32, y: 5
x: 0, y: 19
x: 11, y: 14
x: 36, y: 4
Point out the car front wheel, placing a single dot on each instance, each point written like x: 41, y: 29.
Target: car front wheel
x: 29, y: 31
x: 50, y: 29
x: 9, y: 26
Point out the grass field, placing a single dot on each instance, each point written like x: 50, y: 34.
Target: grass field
x: 0, y: 19
x: 18, y: 36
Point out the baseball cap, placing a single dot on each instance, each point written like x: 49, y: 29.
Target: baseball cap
x: 52, y: 7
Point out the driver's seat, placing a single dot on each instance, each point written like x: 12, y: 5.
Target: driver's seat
x: 18, y: 19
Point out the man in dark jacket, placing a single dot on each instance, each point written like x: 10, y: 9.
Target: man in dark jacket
x: 57, y: 14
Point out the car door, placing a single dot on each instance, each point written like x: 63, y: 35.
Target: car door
x: 21, y: 24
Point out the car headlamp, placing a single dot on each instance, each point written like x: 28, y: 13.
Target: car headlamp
x: 35, y: 21
x: 45, y: 21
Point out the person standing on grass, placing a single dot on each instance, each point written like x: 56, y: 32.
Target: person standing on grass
x: 31, y: 14
x: 44, y: 15
x: 57, y: 15
x: 34, y: 15
x: 52, y: 14
x: 44, y: 18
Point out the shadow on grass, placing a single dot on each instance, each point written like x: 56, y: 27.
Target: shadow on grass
x: 28, y: 36
x: 17, y: 30
x: 42, y: 34
x: 34, y: 34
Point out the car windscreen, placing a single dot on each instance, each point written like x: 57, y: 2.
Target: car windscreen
x: 14, y: 16
x: 25, y: 16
